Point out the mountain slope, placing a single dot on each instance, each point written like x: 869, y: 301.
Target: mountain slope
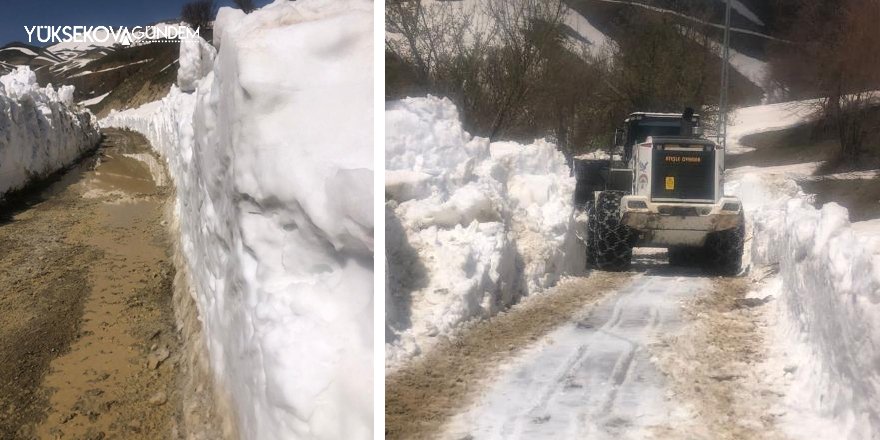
x: 106, y: 76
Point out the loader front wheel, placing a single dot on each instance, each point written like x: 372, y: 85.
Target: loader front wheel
x: 609, y: 243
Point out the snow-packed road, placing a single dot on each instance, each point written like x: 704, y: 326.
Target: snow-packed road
x: 593, y: 377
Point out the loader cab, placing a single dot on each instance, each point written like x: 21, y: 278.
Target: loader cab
x: 639, y: 126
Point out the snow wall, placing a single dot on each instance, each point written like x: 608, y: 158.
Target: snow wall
x: 41, y: 130
x: 830, y: 306
x: 471, y: 226
x: 272, y: 160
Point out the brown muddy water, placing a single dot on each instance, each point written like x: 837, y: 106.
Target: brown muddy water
x: 87, y: 327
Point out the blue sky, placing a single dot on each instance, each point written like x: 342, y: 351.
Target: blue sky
x: 15, y: 14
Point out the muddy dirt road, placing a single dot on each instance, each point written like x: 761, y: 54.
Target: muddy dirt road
x: 87, y: 328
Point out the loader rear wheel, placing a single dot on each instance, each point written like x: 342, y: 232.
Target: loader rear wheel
x: 609, y: 243
x: 724, y: 249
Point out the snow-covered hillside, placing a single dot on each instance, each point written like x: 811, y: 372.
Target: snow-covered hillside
x: 471, y: 226
x: 106, y: 74
x: 762, y: 118
x: 481, y: 26
x: 41, y: 130
x: 71, y: 49
x: 272, y: 160
x: 753, y: 69
x: 827, y: 332
x: 587, y: 33
x: 741, y: 9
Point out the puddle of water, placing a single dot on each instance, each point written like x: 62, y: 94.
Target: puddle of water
x: 120, y: 173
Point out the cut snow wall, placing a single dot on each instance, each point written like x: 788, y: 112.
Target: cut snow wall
x: 272, y: 160
x: 830, y: 302
x: 471, y: 226
x: 41, y: 131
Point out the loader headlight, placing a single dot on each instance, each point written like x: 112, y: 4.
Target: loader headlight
x: 730, y: 207
x: 636, y: 204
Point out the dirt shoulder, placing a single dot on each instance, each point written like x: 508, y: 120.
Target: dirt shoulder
x: 422, y: 396
x: 43, y: 284
x: 713, y: 366
x: 87, y: 326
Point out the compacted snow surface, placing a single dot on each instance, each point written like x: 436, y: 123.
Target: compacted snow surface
x: 592, y: 378
x: 272, y: 158
x: 481, y: 26
x: 471, y: 226
x: 41, y: 130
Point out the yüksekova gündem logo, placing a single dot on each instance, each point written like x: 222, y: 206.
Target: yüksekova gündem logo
x: 109, y: 35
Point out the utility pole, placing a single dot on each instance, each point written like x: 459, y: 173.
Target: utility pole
x: 725, y: 80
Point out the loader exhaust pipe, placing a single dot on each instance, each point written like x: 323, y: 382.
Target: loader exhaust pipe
x: 687, y: 122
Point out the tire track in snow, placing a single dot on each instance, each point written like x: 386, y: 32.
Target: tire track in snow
x: 422, y: 396
x: 594, y: 377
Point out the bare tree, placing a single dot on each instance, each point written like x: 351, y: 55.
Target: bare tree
x: 198, y: 14
x: 515, y: 71
x: 245, y: 5
x: 527, y: 30
x: 428, y: 35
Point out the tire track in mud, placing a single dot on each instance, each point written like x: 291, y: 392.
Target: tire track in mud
x: 87, y: 327
x: 422, y: 396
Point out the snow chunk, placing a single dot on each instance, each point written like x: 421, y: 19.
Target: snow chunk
x: 19, y: 82
x: 196, y: 60
x: 471, y: 226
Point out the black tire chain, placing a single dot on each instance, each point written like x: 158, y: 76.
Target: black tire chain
x: 609, y: 244
x: 589, y: 207
x: 724, y: 249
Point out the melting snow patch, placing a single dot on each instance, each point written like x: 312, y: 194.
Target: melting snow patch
x: 93, y: 101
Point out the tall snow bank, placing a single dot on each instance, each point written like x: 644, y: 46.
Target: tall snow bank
x: 272, y: 159
x: 829, y: 298
x: 196, y: 60
x: 41, y: 131
x: 470, y: 226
